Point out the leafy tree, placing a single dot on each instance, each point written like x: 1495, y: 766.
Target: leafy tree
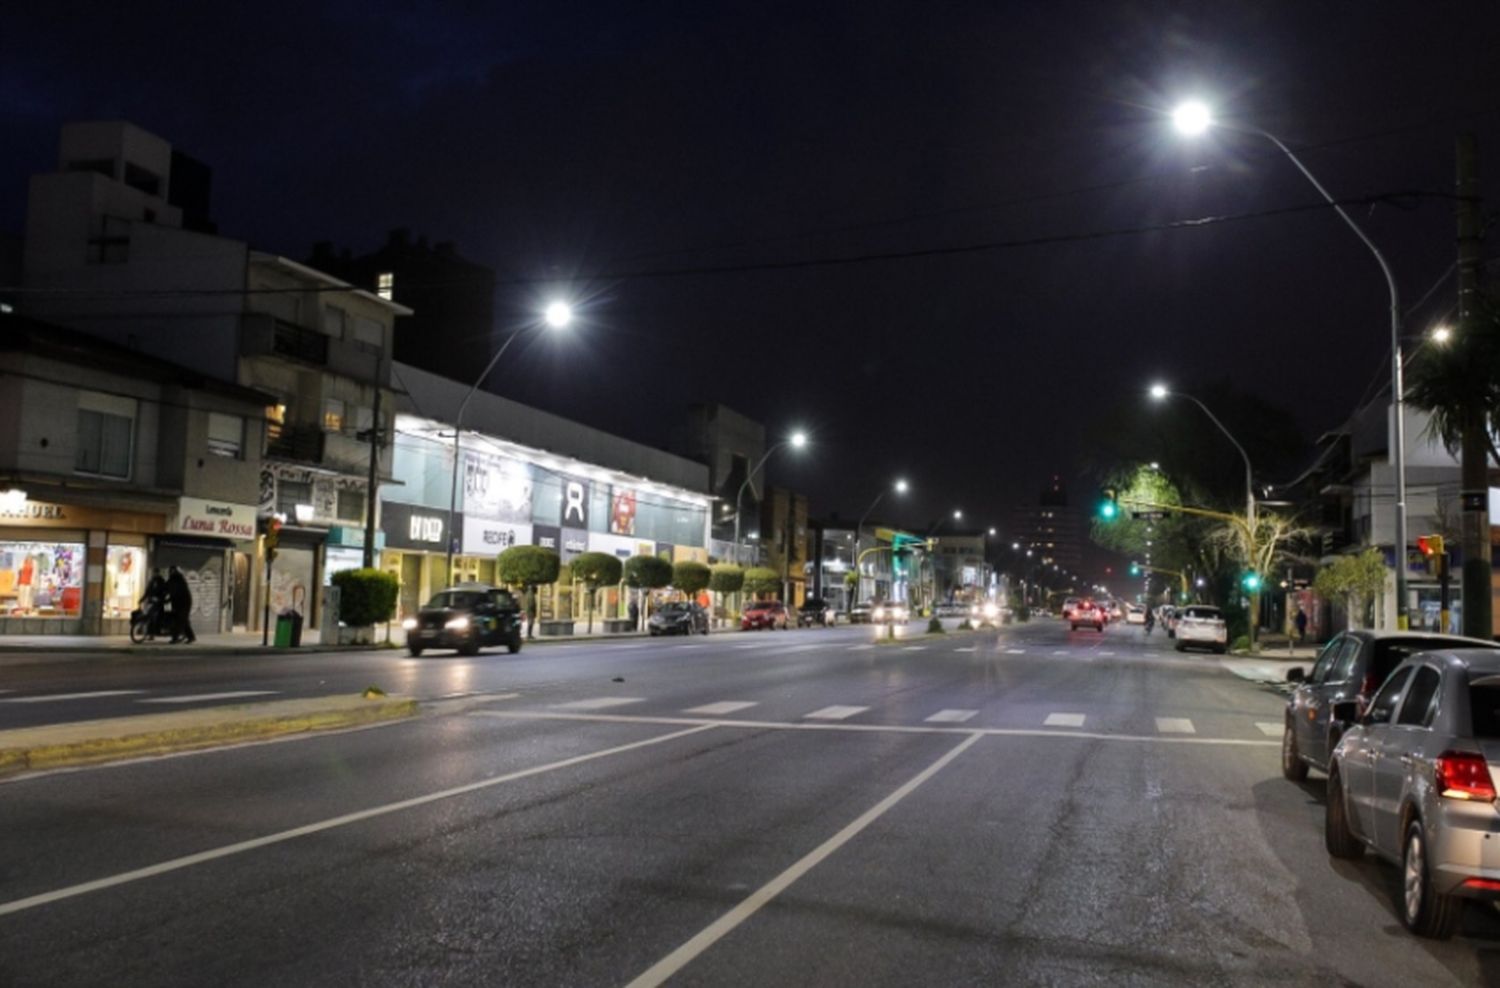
x: 1274, y: 538
x: 1172, y: 542
x: 647, y: 572
x: 762, y: 580
x: 528, y: 566
x: 595, y: 570
x: 1355, y: 579
x: 366, y: 596
x: 691, y: 577
x: 726, y: 578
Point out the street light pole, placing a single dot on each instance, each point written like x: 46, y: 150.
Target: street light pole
x: 797, y: 440
x: 557, y: 316
x: 899, y: 487
x: 1194, y: 118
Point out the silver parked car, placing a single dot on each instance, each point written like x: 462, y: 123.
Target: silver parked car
x: 1413, y: 779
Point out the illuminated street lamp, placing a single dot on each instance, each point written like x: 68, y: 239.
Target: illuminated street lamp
x: 1193, y: 118
x: 1441, y: 335
x: 796, y: 440
x: 900, y: 487
x: 557, y: 315
x: 1160, y: 392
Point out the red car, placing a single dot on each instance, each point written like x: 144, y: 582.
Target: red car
x: 1088, y: 614
x: 764, y: 614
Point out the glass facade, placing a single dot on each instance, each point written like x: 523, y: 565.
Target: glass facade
x: 41, y: 579
x: 125, y: 578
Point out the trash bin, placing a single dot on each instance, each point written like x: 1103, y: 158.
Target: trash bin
x: 288, y: 630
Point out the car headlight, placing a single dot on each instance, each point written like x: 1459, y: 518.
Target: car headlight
x: 460, y: 623
x: 879, y: 613
x: 410, y: 624
x: 990, y: 610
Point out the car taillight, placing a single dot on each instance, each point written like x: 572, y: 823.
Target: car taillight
x: 1464, y: 775
x: 1482, y: 884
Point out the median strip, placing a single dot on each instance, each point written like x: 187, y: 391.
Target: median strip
x: 94, y: 742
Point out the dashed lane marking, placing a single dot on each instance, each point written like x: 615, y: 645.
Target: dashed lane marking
x: 205, y: 697
x: 1175, y: 725
x: 860, y: 648
x: 1015, y: 651
x: 54, y: 697
x: 1269, y: 728
x: 1064, y: 720
x: 914, y: 648
x: 599, y: 703
x: 1106, y: 653
x: 835, y: 713
x: 971, y: 648
x: 951, y: 716
x: 721, y: 708
x: 1059, y: 651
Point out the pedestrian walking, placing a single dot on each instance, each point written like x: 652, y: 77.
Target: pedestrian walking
x: 1301, y: 622
x: 635, y: 616
x: 180, y: 599
x: 528, y: 607
x: 154, y: 602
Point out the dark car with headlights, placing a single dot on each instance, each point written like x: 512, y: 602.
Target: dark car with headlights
x: 815, y: 612
x: 681, y: 617
x: 466, y: 618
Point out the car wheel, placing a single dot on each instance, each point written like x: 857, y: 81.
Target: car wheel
x: 415, y: 651
x: 1292, y: 765
x: 1099, y: 628
x: 1180, y: 647
x: 1337, y: 837
x: 1425, y: 912
x: 470, y: 647
x: 1075, y: 627
x: 513, y: 643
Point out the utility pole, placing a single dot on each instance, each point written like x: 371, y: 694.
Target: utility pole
x: 1474, y: 447
x: 373, y: 487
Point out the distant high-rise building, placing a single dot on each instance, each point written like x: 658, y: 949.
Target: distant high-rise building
x: 1051, y: 528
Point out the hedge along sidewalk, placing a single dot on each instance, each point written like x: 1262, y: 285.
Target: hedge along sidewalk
x: 93, y: 742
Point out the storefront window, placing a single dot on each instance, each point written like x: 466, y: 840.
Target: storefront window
x: 125, y: 579
x: 41, y: 579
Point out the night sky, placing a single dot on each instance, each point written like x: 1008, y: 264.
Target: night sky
x: 609, y: 148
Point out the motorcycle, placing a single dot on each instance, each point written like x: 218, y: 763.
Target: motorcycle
x: 145, y: 624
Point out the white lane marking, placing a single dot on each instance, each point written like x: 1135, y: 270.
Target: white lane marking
x: 802, y: 648
x: 860, y: 648
x: 951, y: 716
x: 758, y: 645
x: 236, y: 694
x: 71, y: 696
x: 971, y: 648
x: 914, y: 648
x: 1269, y: 728
x: 1060, y: 651
x: 1064, y: 720
x: 1106, y: 653
x: 1175, y: 725
x: 213, y: 854
x: 721, y: 708
x: 781, y: 725
x: 835, y: 713
x: 599, y: 703
x: 1015, y: 651
x: 669, y: 965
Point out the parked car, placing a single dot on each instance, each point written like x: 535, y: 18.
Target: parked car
x: 467, y: 618
x: 1349, y: 669
x: 891, y: 612
x: 1135, y: 614
x: 988, y: 612
x: 1089, y: 615
x: 1116, y: 612
x: 682, y: 617
x: 1201, y: 626
x: 815, y: 612
x: 769, y: 614
x: 1413, y: 779
x: 860, y: 613
x: 1068, y: 607
x: 1166, y: 616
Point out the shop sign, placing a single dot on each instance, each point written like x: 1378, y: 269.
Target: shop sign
x: 575, y: 506
x: 575, y: 542
x: 496, y: 487
x: 45, y: 514
x: 487, y: 537
x: 619, y: 545
x: 218, y: 519
x: 352, y: 537
x: 547, y: 537
x: 410, y: 527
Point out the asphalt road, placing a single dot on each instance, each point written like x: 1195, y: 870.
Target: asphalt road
x: 1029, y: 806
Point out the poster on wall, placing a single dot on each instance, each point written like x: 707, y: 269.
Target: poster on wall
x: 291, y: 579
x: 620, y: 546
x: 496, y: 487
x: 484, y: 537
x: 622, y: 512
x: 575, y: 504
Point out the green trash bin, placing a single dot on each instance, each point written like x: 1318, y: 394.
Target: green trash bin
x: 288, y: 630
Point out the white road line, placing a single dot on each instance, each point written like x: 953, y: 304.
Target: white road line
x: 802, y: 648
x: 761, y: 645
x: 1015, y: 651
x: 1269, y: 728
x: 721, y: 708
x: 835, y: 713
x: 951, y: 716
x: 669, y: 965
x: 1175, y: 725
x: 860, y: 648
x: 971, y: 648
x: 914, y: 648
x: 1064, y: 720
x: 599, y: 703
x: 213, y: 854
x: 1059, y: 651
x: 53, y: 697
x: 208, y: 696
x: 1106, y: 653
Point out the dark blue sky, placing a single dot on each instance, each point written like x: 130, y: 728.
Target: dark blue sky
x: 560, y: 140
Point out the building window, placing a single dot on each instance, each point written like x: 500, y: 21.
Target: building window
x: 368, y: 332
x: 289, y: 494
x: 351, y: 506
x: 106, y: 424
x: 333, y: 415
x: 334, y: 320
x: 41, y: 579
x: 385, y: 285
x: 226, y: 435
x: 111, y: 244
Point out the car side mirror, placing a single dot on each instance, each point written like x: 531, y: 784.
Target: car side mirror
x: 1296, y: 674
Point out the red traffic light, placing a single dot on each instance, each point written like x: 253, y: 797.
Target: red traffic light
x: 1424, y: 545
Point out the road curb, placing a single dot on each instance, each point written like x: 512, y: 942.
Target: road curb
x: 98, y: 742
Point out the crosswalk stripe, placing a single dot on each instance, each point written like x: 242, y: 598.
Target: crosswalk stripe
x: 721, y: 708
x: 971, y: 648
x: 1064, y: 720
x: 802, y: 648
x: 205, y: 697
x: 860, y: 648
x: 1015, y: 651
x: 743, y: 647
x: 951, y: 716
x: 53, y: 697
x: 1059, y: 651
x: 1269, y: 728
x: 599, y: 703
x: 914, y: 648
x: 1175, y: 725
x: 1106, y: 653
x: 835, y: 713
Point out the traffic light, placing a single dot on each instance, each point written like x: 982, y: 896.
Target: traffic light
x: 1135, y: 569
x: 273, y: 537
x: 1109, y: 505
x: 1250, y: 581
x: 1430, y: 545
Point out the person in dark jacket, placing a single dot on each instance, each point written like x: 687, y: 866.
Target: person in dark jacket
x: 180, y: 598
x: 154, y: 602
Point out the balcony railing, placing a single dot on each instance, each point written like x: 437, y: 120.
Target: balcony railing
x: 291, y: 340
x: 303, y: 443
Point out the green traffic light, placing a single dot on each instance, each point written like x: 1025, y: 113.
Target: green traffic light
x: 1251, y: 581
x: 1108, y: 510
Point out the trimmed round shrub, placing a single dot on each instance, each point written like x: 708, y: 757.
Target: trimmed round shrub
x: 528, y: 566
x: 760, y: 579
x: 726, y: 578
x: 691, y: 577
x: 366, y: 596
x: 647, y: 572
